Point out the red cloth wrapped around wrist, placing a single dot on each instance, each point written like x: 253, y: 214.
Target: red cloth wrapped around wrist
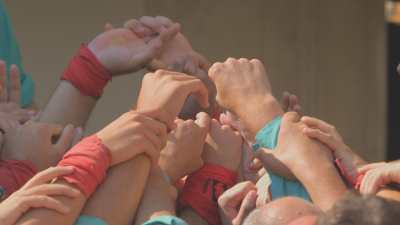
x: 203, y: 188
x: 13, y: 175
x: 90, y: 159
x: 86, y: 73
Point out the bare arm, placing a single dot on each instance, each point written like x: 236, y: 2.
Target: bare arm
x: 68, y: 106
x: 158, y: 191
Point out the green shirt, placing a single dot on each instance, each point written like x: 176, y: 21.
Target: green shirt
x: 9, y: 52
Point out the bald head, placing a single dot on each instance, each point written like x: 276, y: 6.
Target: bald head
x: 282, y: 211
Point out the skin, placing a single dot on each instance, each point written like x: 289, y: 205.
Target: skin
x: 117, y: 132
x: 299, y: 153
x: 160, y: 191
x: 378, y: 175
x: 37, y: 193
x: 182, y: 154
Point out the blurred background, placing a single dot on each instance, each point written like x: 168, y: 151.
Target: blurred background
x: 338, y: 56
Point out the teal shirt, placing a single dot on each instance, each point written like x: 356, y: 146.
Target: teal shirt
x: 9, y: 52
x: 280, y: 187
x: 166, y: 220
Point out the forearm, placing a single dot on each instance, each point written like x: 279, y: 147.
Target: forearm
x: 68, y: 105
x: 259, y: 113
x: 44, y: 216
x: 322, y: 182
x: 117, y: 199
x: 158, y: 200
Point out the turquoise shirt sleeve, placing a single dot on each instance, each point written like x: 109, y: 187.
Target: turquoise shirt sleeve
x: 280, y: 187
x: 165, y: 220
x: 10, y: 53
x: 89, y: 220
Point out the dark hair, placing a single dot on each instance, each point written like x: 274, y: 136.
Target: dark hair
x: 355, y: 209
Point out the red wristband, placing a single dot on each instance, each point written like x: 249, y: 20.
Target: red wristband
x: 90, y: 159
x: 13, y: 175
x: 86, y: 73
x: 203, y: 188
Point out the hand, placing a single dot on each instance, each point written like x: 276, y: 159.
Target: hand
x: 42, y: 144
x: 177, y: 51
x: 121, y: 51
x: 182, y: 154
x: 163, y: 94
x: 37, y: 193
x: 290, y: 103
x: 328, y: 135
x: 378, y: 175
x: 132, y: 134
x: 10, y: 96
x: 237, y: 202
x: 224, y: 146
x: 243, y: 88
x: 294, y: 149
x: 263, y: 190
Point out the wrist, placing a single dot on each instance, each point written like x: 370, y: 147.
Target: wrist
x: 255, y: 113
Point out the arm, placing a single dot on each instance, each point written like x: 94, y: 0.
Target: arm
x: 68, y: 105
x: 118, y: 206
x: 158, y: 200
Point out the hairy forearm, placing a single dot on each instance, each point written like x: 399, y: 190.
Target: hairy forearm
x: 68, y: 106
x: 117, y: 199
x: 158, y: 200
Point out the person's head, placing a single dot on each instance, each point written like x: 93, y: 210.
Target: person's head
x: 355, y: 209
x: 284, y: 211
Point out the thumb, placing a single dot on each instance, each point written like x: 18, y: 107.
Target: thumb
x: 266, y: 156
x: 248, y: 204
x: 67, y: 136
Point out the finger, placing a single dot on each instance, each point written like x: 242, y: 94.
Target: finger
x: 248, y: 205
x: 151, y: 151
x: 160, y: 129
x: 40, y: 201
x: 54, y: 189
x: 266, y: 156
x: 369, y: 183
x: 323, y: 137
x: 232, y: 197
x: 3, y: 82
x: 256, y: 165
x: 317, y: 123
x: 366, y: 168
x: 203, y: 120
x: 139, y: 29
x: 48, y: 175
x: 14, y: 92
x: 165, y: 21
x: 22, y: 115
x: 170, y: 32
x: 65, y: 140
x: 291, y: 117
x: 108, y: 27
x: 153, y: 138
x: 151, y: 22
x: 199, y: 91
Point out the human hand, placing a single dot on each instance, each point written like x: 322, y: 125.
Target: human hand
x: 223, y: 146
x: 328, y: 135
x: 377, y: 175
x: 132, y: 134
x: 121, y: 51
x: 163, y: 94
x: 10, y: 95
x: 42, y: 144
x: 244, y: 89
x: 177, y: 51
x: 182, y: 154
x: 237, y: 202
x: 294, y: 150
x: 37, y: 193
